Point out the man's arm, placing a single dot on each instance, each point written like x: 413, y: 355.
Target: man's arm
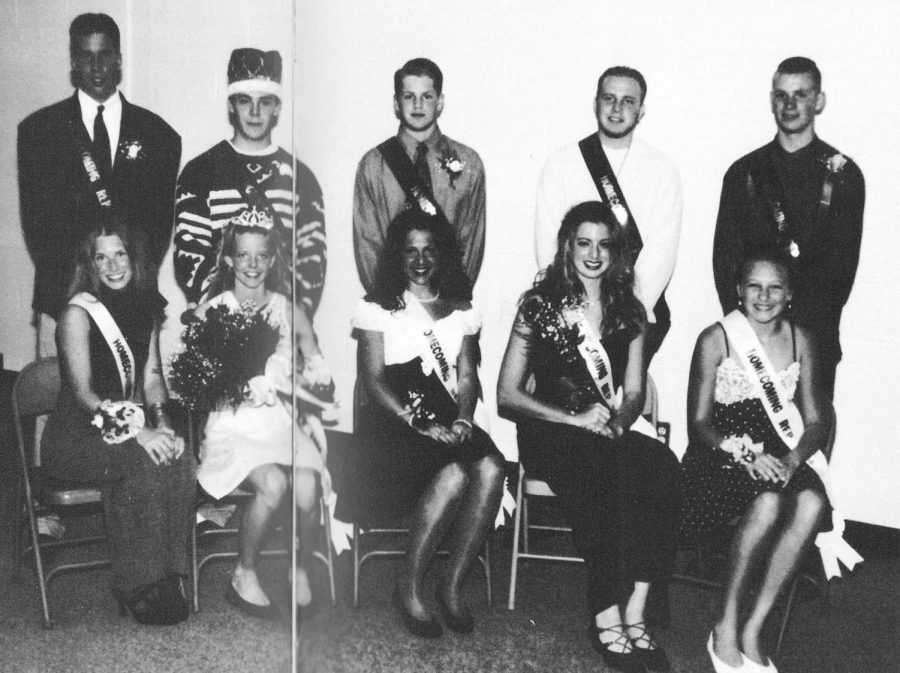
x: 370, y: 219
x: 728, y: 245
x: 662, y: 224
x: 836, y: 273
x: 195, y: 252
x: 309, y: 239
x: 470, y: 228
x: 160, y: 197
x: 41, y: 229
x: 548, y: 214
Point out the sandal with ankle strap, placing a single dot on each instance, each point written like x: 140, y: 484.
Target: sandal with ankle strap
x: 652, y: 656
x: 627, y: 662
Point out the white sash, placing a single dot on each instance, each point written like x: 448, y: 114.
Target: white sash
x: 595, y: 357
x: 597, y: 361
x: 114, y: 338
x: 785, y: 418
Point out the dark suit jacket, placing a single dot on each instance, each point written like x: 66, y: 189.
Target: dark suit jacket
x: 56, y: 200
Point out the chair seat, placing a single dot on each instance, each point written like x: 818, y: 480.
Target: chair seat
x: 63, y: 492
x: 538, y: 488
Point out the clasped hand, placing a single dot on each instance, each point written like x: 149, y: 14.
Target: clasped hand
x: 597, y: 419
x: 162, y: 445
x: 770, y: 468
x: 455, y: 434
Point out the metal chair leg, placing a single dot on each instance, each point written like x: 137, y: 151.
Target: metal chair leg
x: 511, y: 603
x: 356, y: 543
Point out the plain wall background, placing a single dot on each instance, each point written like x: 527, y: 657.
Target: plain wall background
x: 519, y: 83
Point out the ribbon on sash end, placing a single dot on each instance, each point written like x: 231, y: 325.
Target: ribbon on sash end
x: 788, y: 423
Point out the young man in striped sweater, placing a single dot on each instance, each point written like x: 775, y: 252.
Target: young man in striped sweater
x: 247, y: 171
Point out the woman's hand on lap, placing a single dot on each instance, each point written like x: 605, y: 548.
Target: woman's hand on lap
x: 163, y: 446
x: 440, y: 433
x: 765, y: 467
x: 594, y: 419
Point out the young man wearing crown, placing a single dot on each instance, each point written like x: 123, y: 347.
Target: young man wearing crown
x: 88, y: 152
x: 636, y: 180
x: 249, y: 171
x: 422, y: 168
x: 799, y: 194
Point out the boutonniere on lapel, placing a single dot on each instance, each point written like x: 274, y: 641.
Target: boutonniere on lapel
x: 132, y: 150
x: 452, y: 166
x: 835, y: 163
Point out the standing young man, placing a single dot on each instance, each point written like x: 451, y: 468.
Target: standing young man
x: 420, y: 167
x: 250, y: 171
x: 637, y: 181
x: 802, y: 195
x: 91, y: 151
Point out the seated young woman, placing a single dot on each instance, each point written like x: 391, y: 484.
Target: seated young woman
x: 421, y: 447
x: 108, y: 343
x: 580, y: 334
x: 256, y: 444
x: 756, y: 413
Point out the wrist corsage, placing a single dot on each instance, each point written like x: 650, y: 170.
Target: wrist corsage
x: 118, y: 421
x: 742, y: 449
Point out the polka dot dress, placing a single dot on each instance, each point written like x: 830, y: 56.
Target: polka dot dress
x: 715, y: 489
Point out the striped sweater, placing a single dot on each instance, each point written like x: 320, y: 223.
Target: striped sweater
x: 209, y: 194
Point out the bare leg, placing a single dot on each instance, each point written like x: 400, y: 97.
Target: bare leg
x: 752, y: 540
x: 305, y: 489
x: 269, y: 483
x: 435, y: 510
x: 473, y: 522
x: 790, y: 547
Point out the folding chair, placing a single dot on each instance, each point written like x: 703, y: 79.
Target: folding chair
x: 536, y: 488
x: 707, y: 557
x: 364, y: 530
x: 34, y: 394
x: 239, y: 498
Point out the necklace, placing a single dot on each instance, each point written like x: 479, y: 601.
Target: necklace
x: 429, y: 300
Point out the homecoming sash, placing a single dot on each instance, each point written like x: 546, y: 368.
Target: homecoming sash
x: 96, y: 179
x: 114, y: 338
x: 405, y: 173
x: 788, y: 423
x: 611, y: 194
x: 596, y: 359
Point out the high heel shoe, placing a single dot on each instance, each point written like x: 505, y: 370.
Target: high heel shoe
x: 254, y: 610
x: 627, y: 662
x: 463, y: 623
x: 424, y: 628
x: 751, y: 666
x: 653, y: 656
x: 719, y: 665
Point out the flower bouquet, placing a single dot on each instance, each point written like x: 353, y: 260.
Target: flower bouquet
x: 222, y: 354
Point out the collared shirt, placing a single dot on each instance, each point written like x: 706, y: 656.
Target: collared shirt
x: 112, y: 117
x: 652, y: 188
x: 378, y: 198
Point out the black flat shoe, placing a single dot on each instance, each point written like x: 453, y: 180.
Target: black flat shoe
x: 149, y: 604
x: 463, y: 623
x: 652, y: 656
x: 424, y: 628
x: 261, y: 611
x: 172, y: 591
x: 627, y: 662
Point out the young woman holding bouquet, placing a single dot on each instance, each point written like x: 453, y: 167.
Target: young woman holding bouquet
x: 422, y: 449
x: 580, y: 334
x: 254, y: 442
x: 757, y: 412
x: 108, y: 344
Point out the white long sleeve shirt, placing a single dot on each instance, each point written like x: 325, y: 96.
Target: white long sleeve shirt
x: 652, y: 188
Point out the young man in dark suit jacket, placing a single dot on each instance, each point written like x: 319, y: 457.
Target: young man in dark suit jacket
x: 90, y: 151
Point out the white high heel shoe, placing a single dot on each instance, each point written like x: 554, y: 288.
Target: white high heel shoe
x: 720, y: 666
x: 752, y: 667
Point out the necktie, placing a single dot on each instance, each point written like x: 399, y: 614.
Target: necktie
x: 101, y: 144
x: 422, y: 166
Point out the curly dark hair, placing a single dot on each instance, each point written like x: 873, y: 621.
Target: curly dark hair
x: 390, y: 275
x: 559, y: 282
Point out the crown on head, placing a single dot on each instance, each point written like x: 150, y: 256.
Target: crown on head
x: 253, y: 218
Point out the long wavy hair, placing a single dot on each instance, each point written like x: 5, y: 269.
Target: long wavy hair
x: 390, y: 272
x: 85, y: 278
x: 559, y: 282
x: 222, y: 277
